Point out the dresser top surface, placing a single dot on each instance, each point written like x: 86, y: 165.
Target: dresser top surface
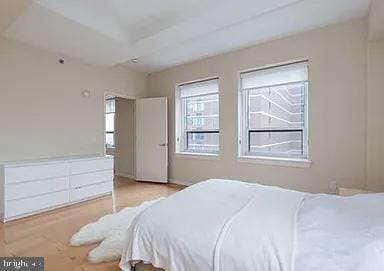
x: 54, y: 160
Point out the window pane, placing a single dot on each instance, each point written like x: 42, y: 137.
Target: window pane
x: 285, y: 144
x: 109, y: 140
x: 110, y: 106
x: 110, y: 122
x: 277, y: 107
x: 199, y: 119
x: 204, y: 142
x: 202, y: 113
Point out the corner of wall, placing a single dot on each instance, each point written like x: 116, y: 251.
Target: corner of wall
x: 366, y: 101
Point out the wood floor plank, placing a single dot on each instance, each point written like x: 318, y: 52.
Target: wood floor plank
x: 47, y: 235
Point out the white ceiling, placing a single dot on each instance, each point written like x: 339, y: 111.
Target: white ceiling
x: 165, y: 33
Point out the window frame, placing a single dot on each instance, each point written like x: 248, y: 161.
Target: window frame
x: 244, y: 155
x: 105, y: 125
x: 181, y: 133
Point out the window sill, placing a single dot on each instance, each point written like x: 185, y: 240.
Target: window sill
x: 205, y: 156
x: 272, y: 161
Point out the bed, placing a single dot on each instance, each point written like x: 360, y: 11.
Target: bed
x: 226, y: 225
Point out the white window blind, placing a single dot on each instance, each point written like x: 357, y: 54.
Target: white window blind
x: 286, y: 74
x: 199, y: 88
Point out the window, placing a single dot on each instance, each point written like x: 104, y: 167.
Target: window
x: 274, y: 112
x: 110, y: 123
x: 197, y: 117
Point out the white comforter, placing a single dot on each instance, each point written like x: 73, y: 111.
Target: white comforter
x: 340, y: 233
x: 222, y: 225
x: 216, y: 225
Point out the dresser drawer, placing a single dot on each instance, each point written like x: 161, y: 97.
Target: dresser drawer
x: 35, y: 172
x: 34, y: 204
x: 90, y: 191
x: 34, y: 188
x: 91, y: 178
x: 79, y: 167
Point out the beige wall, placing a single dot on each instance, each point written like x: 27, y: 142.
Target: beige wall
x: 375, y: 116
x: 42, y: 111
x: 125, y: 137
x: 337, y: 109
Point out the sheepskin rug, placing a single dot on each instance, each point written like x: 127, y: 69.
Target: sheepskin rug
x: 110, y: 232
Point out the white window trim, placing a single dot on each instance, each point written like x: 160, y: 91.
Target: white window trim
x: 266, y: 160
x: 179, y: 152
x: 276, y: 161
x: 202, y: 156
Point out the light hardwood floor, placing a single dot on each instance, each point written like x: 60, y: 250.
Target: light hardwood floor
x: 48, y: 234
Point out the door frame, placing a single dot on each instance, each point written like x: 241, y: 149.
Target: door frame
x: 117, y: 95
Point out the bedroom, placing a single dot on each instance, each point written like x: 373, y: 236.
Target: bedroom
x: 54, y: 111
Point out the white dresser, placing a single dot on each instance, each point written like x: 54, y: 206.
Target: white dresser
x: 32, y: 187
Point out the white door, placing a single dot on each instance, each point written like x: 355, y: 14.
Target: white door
x: 152, y: 140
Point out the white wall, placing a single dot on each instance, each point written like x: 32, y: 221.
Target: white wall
x: 375, y: 117
x: 375, y: 97
x: 42, y: 111
x: 125, y: 137
x: 376, y: 20
x: 337, y: 109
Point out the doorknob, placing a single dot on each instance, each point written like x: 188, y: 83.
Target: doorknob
x: 163, y: 145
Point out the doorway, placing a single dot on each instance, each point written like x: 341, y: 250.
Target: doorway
x: 119, y: 138
x: 136, y: 134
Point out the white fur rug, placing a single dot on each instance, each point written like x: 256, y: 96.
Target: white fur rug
x: 110, y: 230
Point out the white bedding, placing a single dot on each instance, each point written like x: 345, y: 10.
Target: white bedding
x: 222, y: 225
x: 216, y: 225
x: 340, y: 233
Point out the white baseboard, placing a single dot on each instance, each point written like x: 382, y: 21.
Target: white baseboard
x: 125, y: 175
x: 186, y: 183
